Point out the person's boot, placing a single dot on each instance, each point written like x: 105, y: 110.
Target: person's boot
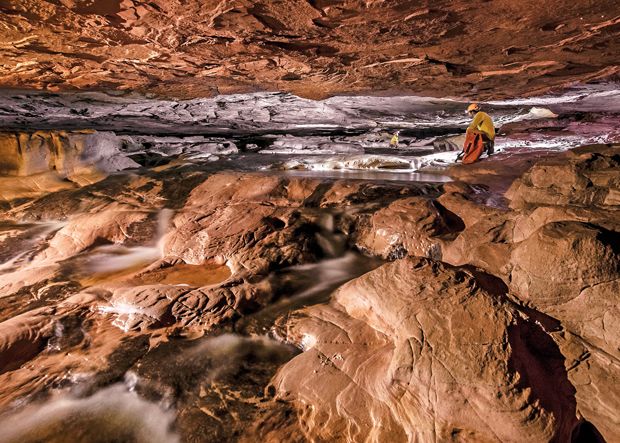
x: 490, y: 149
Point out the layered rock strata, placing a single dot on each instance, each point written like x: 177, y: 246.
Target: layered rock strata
x: 34, y: 163
x: 313, y: 49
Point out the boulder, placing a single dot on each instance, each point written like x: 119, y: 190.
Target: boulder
x: 562, y: 262
x: 415, y: 350
x: 486, y: 233
x: 595, y: 374
x: 115, y: 224
x: 528, y: 221
x: 259, y: 222
x: 408, y: 226
x: 247, y: 235
x: 571, y: 271
x: 579, y: 178
x: 142, y: 307
x: 486, y: 245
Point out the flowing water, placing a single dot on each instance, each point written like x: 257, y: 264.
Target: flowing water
x: 161, y: 386
x: 99, y: 379
x: 114, y: 413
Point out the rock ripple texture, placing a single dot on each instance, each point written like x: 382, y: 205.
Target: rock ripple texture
x: 518, y: 342
x: 417, y: 351
x: 311, y: 48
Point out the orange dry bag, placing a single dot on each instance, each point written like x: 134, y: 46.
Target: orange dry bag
x: 473, y: 148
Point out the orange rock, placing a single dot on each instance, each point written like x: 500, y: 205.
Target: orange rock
x: 415, y: 350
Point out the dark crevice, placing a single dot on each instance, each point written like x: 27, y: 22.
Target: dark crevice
x: 586, y: 432
x: 454, y: 223
x: 488, y: 282
x: 540, y: 366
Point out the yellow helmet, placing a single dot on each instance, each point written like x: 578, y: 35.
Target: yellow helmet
x: 473, y: 107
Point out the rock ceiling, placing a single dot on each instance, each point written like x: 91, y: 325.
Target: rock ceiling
x: 312, y: 48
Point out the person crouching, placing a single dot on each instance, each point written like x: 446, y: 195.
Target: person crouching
x: 482, y: 124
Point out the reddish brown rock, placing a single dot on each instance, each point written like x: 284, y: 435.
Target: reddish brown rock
x: 310, y: 48
x: 70, y: 154
x: 486, y: 233
x: 584, y: 177
x: 562, y: 259
x: 205, y: 308
x: 518, y: 344
x: 557, y: 251
x: 142, y: 307
x: 416, y: 350
x: 595, y: 374
x: 571, y: 271
x: 23, y: 337
x: 18, y: 279
x: 255, y: 221
x: 500, y: 171
x: 114, y: 224
x: 528, y: 221
x: 486, y: 244
x: 409, y: 226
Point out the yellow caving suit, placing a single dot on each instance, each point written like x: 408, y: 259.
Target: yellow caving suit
x: 483, y: 124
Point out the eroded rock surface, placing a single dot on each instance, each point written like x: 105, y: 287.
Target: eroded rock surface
x: 68, y: 153
x: 35, y: 163
x: 313, y: 48
x: 547, y: 258
x: 494, y: 318
x: 413, y: 226
x: 589, y: 178
x: 416, y: 350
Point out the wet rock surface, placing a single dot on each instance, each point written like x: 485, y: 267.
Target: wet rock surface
x: 240, y: 305
x: 419, y: 348
x: 105, y: 280
x: 557, y: 280
x: 207, y: 235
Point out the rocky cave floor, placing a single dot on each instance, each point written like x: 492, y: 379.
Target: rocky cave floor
x: 181, y: 303
x: 204, y: 236
x: 265, y: 267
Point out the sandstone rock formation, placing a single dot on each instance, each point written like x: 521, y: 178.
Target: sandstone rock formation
x: 488, y: 316
x: 557, y: 254
x: 407, y: 227
x: 32, y: 164
x: 590, y: 178
x: 68, y: 153
x: 206, y: 236
x: 311, y: 48
x: 580, y: 258
x: 416, y: 350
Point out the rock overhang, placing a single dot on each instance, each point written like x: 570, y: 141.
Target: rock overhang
x: 313, y: 49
